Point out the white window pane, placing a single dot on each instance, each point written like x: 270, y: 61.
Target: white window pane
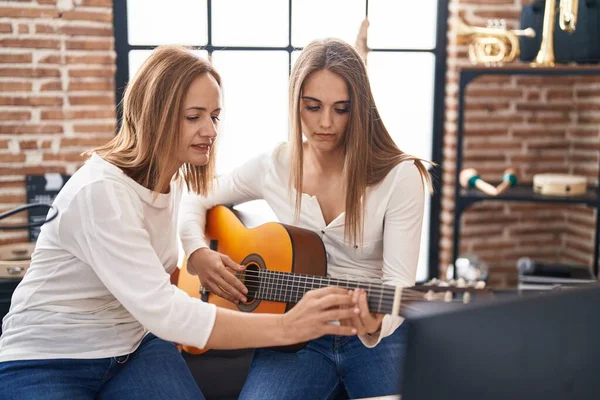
x: 254, y: 117
x: 245, y: 23
x: 403, y: 85
x: 403, y: 89
x: 318, y: 19
x: 167, y: 22
x: 402, y: 24
x: 137, y: 58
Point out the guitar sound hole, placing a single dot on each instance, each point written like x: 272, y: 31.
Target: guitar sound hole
x: 251, y: 281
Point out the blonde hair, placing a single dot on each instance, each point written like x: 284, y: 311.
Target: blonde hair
x: 152, y: 110
x: 369, y: 151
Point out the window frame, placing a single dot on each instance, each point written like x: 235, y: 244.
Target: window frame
x: 122, y: 48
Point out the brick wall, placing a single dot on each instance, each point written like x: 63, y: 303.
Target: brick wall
x: 57, y: 90
x: 534, y: 124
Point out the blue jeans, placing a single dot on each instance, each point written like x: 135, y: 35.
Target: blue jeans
x: 327, y: 368
x: 156, y: 370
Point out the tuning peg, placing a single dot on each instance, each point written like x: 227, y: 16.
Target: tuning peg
x: 448, y: 296
x: 466, y: 297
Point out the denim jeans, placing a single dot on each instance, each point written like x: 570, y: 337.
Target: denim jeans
x: 328, y: 368
x: 156, y: 370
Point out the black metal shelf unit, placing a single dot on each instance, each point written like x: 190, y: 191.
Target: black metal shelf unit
x: 464, y: 198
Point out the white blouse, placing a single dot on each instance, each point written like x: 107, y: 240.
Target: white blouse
x: 99, y: 275
x: 392, y: 224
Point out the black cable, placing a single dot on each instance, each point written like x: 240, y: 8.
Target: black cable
x: 24, y: 208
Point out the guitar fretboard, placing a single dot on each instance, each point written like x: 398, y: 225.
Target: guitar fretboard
x: 289, y: 288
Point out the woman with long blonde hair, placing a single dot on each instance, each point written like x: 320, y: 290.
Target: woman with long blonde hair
x: 96, y: 315
x: 342, y: 176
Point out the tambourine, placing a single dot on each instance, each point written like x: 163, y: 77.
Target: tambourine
x: 559, y: 184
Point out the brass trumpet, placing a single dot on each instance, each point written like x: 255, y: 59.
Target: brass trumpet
x: 567, y: 20
x: 494, y: 44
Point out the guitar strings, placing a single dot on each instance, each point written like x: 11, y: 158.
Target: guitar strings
x: 275, y: 280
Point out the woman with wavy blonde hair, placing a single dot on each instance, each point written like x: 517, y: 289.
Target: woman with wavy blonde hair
x: 96, y: 315
x: 342, y: 176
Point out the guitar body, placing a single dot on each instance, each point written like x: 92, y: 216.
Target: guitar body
x: 270, y: 246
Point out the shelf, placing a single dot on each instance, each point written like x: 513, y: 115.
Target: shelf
x: 522, y: 193
x: 468, y: 73
x: 526, y: 194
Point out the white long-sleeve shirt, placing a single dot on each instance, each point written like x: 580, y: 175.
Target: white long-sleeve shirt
x: 392, y: 225
x: 99, y: 275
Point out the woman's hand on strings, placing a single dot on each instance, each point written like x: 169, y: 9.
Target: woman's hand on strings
x: 217, y: 274
x: 313, y: 316
x: 365, y: 322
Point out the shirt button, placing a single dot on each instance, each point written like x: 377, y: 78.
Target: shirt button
x: 323, y: 232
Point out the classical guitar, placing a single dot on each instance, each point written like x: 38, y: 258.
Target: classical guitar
x: 283, y: 262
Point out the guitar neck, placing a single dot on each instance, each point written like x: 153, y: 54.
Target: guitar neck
x: 289, y: 288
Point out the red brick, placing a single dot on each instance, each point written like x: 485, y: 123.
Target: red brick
x: 97, y: 3
x: 548, y: 118
x: 498, y: 14
x: 71, y: 157
x: 91, y: 100
x: 83, y: 142
x: 5, y: 28
x: 52, y: 2
x: 587, y: 107
x: 32, y: 170
x: 22, y: 12
x: 30, y: 72
x: 10, y: 158
x: 19, y: 58
x: 86, y: 31
x: 90, y: 59
x: 51, y: 86
x: 587, y: 93
x: 104, y: 128
x: 92, y: 73
x: 14, y: 129
x: 488, y: 106
x: 87, y: 16
x: 31, y: 101
x: 533, y: 132
x: 43, y: 28
x: 52, y: 59
x: 28, y: 145
x: 31, y: 43
x: 78, y: 114
x: 23, y: 28
x: 87, y: 44
x: 75, y: 86
x: 15, y: 115
x: 15, y: 86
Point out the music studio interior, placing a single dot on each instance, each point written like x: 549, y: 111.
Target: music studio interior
x: 503, y: 95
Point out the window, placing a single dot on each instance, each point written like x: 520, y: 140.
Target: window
x: 254, y: 50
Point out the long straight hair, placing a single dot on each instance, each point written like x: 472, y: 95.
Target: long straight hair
x: 369, y: 151
x: 149, y: 135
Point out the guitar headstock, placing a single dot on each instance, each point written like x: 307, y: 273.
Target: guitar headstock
x: 452, y: 290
